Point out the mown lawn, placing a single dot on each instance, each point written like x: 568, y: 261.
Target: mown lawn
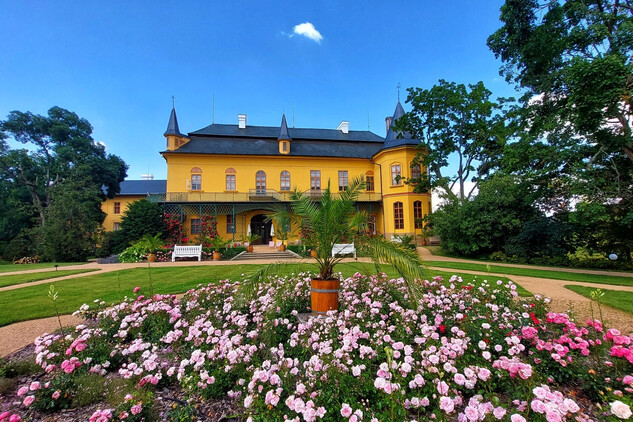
x: 8, y: 267
x: 614, y: 298
x: 32, y: 302
x: 533, y: 272
x: 10, y: 280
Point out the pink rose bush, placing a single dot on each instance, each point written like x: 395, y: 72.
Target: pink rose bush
x: 461, y: 351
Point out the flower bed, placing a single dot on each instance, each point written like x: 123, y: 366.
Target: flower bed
x: 463, y: 352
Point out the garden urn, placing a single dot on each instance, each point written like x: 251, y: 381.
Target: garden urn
x: 324, y: 295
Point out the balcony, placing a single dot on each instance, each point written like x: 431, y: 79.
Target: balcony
x: 253, y: 195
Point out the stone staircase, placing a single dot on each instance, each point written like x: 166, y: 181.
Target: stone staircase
x: 265, y: 252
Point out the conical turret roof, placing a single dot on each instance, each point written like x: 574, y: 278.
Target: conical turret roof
x: 283, y: 130
x: 172, y: 126
x: 396, y: 138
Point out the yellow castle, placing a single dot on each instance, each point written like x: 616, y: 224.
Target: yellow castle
x: 237, y: 173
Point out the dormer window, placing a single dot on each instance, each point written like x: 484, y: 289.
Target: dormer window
x: 284, y: 147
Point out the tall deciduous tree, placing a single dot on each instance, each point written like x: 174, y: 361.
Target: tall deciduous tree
x: 572, y: 59
x: 454, y: 119
x: 57, y: 147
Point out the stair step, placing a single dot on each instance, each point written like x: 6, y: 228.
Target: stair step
x: 269, y: 255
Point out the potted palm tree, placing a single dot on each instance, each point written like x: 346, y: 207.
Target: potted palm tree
x: 334, y: 220
x: 218, y: 244
x: 251, y: 238
x: 152, y: 244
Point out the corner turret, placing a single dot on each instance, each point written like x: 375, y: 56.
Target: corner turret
x: 175, y: 139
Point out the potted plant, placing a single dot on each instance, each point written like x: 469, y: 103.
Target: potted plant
x: 151, y: 244
x: 251, y: 238
x: 218, y: 244
x: 334, y: 220
x: 281, y: 220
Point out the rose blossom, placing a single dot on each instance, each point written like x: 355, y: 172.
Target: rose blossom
x: 621, y: 410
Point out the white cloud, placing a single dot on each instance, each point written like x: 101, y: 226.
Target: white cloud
x: 307, y: 30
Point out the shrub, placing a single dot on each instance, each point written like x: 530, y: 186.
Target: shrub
x: 140, y: 218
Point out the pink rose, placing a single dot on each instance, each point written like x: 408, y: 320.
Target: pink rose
x: 22, y: 391
x: 136, y: 289
x: 136, y: 409
x: 4, y: 415
x: 28, y: 400
x: 35, y: 386
x: 346, y: 410
x: 56, y: 395
x: 15, y: 418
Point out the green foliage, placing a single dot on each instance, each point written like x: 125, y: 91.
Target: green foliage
x: 73, y: 215
x: 142, y: 218
x: 228, y: 253
x: 57, y: 147
x: 572, y: 60
x: 452, y: 119
x: 134, y: 253
x: 151, y: 243
x: 111, y: 243
x: 219, y: 243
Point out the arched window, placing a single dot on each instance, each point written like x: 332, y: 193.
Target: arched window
x: 417, y: 214
x: 230, y: 179
x: 369, y: 181
x: 396, y: 172
x: 415, y: 171
x: 285, y: 181
x: 398, y: 215
x: 260, y: 182
x: 196, y: 179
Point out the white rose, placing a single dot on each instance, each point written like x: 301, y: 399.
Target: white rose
x: 621, y: 410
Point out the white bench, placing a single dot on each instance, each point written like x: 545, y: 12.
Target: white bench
x: 395, y: 239
x: 343, y: 249
x: 186, y: 251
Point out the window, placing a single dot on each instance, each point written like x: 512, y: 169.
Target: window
x: 415, y: 171
x: 398, y: 215
x: 195, y: 226
x: 369, y: 181
x: 116, y: 226
x: 315, y: 179
x: 117, y: 208
x: 285, y: 180
x: 395, y: 175
x: 342, y: 180
x: 417, y: 214
x: 196, y: 182
x: 230, y: 224
x: 230, y: 182
x: 284, y: 146
x: 260, y: 182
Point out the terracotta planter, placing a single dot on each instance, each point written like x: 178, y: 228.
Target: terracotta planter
x: 216, y: 256
x: 250, y: 248
x: 313, y: 254
x: 423, y: 242
x: 151, y: 257
x: 324, y: 296
x: 282, y: 247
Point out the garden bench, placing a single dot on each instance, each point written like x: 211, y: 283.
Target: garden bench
x: 343, y: 249
x: 186, y: 251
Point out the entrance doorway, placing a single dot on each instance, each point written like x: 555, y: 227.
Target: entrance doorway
x: 261, y: 227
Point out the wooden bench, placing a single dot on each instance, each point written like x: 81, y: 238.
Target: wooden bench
x: 186, y: 252
x: 343, y: 249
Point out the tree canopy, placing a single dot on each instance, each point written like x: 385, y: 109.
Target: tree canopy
x: 449, y: 119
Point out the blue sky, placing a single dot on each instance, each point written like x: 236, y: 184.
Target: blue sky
x: 118, y: 64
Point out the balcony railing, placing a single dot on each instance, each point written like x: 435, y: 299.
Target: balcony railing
x: 253, y: 195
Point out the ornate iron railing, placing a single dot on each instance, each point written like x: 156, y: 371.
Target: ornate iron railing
x: 253, y: 195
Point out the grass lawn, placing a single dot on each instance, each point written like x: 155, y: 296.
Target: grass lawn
x: 10, y: 280
x: 32, y: 302
x: 533, y: 272
x: 8, y: 267
x: 614, y: 298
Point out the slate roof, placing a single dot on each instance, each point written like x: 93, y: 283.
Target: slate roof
x: 172, y: 126
x: 283, y: 130
x: 296, y: 133
x: 142, y: 187
x: 393, y: 139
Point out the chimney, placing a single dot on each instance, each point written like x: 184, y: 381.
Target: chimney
x: 147, y: 177
x: 388, y: 122
x: 241, y: 120
x: 343, y: 127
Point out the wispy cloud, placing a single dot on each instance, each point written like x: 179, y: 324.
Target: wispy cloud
x: 308, y: 30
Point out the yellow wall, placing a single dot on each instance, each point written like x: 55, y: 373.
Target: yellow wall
x: 107, y: 207
x: 213, y: 171
x: 399, y: 193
